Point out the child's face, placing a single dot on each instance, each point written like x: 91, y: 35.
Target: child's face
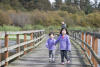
x: 51, y: 36
x: 63, y: 32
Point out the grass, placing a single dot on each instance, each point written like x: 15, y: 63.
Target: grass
x: 13, y: 37
x: 82, y: 28
x: 10, y: 28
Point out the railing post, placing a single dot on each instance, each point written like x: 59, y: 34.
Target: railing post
x: 96, y: 51
x: 82, y: 40
x: 6, y: 46
x: 92, y: 58
x: 38, y: 36
x: 31, y: 36
x: 25, y: 44
x: 18, y: 41
x: 89, y: 43
x: 86, y: 42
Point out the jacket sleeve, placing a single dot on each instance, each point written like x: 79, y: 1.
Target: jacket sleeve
x: 68, y: 44
x: 57, y: 40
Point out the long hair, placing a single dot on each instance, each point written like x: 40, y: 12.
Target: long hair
x: 62, y: 30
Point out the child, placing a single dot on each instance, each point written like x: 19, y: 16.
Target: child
x: 50, y: 44
x: 65, y: 45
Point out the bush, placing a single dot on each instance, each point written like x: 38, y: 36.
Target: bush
x: 4, y: 18
x: 52, y: 29
x: 45, y: 18
x: 93, y: 19
x: 28, y: 27
x: 38, y: 27
x: 9, y: 28
x: 5, y: 6
x: 40, y: 19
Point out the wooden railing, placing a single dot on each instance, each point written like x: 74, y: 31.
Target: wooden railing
x: 25, y: 41
x: 89, y: 45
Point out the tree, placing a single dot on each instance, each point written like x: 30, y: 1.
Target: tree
x: 42, y: 4
x: 58, y: 4
x: 86, y: 6
x: 15, y: 4
x: 95, y: 3
x: 68, y: 2
x: 99, y: 5
x: 36, y: 4
x: 27, y: 4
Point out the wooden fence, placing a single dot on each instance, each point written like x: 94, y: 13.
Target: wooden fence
x: 25, y: 42
x: 89, y: 45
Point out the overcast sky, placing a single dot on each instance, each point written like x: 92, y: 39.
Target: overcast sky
x: 54, y: 1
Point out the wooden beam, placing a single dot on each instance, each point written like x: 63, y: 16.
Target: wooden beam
x: 18, y: 41
x: 93, y: 43
x: 82, y: 40
x: 89, y: 43
x: 25, y: 41
x: 31, y: 38
x: 6, y: 45
x: 96, y: 51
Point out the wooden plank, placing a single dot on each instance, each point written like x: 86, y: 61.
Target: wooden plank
x: 2, y: 63
x: 23, y: 32
x: 14, y: 56
x: 2, y: 50
x: 31, y: 59
x: 19, y: 45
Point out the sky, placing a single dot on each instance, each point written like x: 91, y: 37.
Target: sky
x: 54, y: 1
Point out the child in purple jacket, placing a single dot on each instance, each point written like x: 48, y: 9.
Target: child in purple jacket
x: 50, y: 44
x: 65, y: 45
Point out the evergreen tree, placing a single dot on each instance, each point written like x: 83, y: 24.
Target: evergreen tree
x: 58, y: 4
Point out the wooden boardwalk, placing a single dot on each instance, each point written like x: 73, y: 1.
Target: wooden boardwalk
x: 38, y: 57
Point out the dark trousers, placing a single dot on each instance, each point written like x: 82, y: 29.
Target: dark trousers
x: 51, y: 53
x: 64, y: 55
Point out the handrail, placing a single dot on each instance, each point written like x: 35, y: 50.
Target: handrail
x: 79, y: 35
x: 27, y: 45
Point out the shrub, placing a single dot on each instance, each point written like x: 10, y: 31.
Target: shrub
x: 4, y: 18
x: 9, y: 28
x: 28, y: 27
x: 93, y: 19
x: 38, y: 27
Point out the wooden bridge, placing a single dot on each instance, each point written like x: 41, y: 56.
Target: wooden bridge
x: 27, y: 49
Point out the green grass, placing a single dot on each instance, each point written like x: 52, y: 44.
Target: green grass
x: 82, y: 28
x: 13, y: 37
x: 9, y: 28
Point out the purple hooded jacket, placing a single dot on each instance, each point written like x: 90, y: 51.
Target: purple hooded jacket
x: 50, y: 44
x: 65, y: 43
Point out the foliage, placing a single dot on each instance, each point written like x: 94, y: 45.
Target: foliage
x: 4, y: 18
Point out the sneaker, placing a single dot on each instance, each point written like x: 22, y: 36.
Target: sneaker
x: 50, y: 59
x: 53, y: 59
x: 62, y: 63
x: 68, y: 61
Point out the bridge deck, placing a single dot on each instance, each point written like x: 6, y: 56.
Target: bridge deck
x: 39, y: 58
